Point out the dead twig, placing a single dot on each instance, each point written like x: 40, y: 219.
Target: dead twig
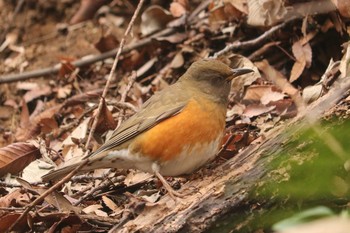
x: 46, y: 193
x: 82, y: 62
x: 110, y: 77
x: 250, y: 43
x: 100, y: 57
x: 131, y: 82
x: 106, y: 183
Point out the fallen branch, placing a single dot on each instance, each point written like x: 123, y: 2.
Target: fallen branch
x: 250, y: 43
x: 84, y: 61
x: 46, y: 193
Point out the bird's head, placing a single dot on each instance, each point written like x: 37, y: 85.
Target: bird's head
x: 212, y: 77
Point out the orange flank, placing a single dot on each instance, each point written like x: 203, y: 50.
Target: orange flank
x: 198, y: 123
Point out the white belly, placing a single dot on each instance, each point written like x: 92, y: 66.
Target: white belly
x: 187, y: 162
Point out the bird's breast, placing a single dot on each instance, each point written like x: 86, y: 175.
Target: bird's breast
x: 188, y: 139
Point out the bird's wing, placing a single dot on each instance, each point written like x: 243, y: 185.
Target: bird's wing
x: 159, y: 107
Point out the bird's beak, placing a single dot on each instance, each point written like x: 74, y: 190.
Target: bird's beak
x: 239, y: 71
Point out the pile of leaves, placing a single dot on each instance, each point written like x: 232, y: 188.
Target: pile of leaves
x: 54, y: 73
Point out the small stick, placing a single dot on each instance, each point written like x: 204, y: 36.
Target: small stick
x: 46, y: 193
x: 249, y: 43
x: 115, y: 63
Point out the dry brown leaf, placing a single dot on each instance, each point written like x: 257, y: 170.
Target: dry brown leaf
x: 25, y: 121
x: 67, y: 67
x: 303, y: 56
x: 64, y: 92
x: 70, y: 150
x: 16, y: 198
x: 8, y: 219
x: 240, y: 5
x: 254, y: 110
x: 281, y: 82
x: 87, y: 10
x: 42, y: 90
x: 271, y: 96
x: 110, y: 204
x: 178, y: 61
x: 265, y: 12
x: 135, y: 177
x: 146, y: 67
x: 55, y: 198
x: 105, y: 122
x: 32, y: 128
x: 16, y: 156
x: 262, y: 93
x: 6, y: 112
x: 297, y: 70
x: 153, y: 19
x: 173, y: 38
x: 343, y: 7
x: 238, y: 84
x: 177, y: 9
x: 106, y: 43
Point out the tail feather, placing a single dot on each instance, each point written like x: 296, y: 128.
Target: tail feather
x: 59, y: 173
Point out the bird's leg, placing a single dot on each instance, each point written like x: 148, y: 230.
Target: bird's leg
x: 173, y: 194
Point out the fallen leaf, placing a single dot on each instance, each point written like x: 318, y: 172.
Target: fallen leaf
x: 12, y: 199
x: 16, y: 156
x: 6, y: 112
x: 42, y: 90
x: 303, y: 56
x: 254, y: 110
x: 105, y: 122
x: 55, y: 198
x: 265, y: 12
x: 106, y: 43
x: 7, y: 220
x: 177, y: 9
x: 153, y: 19
x: 343, y: 7
x: 110, y: 204
x: 178, y: 61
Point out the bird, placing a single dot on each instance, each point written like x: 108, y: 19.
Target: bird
x: 175, y: 132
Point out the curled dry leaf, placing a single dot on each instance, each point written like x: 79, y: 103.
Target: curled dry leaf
x: 154, y: 19
x: 178, y: 61
x: 254, y: 110
x: 15, y: 199
x: 262, y: 94
x: 106, y: 43
x: 7, y: 220
x: 87, y: 10
x: 343, y: 7
x: 16, y: 156
x: 281, y: 82
x: 177, y: 9
x: 110, y: 204
x: 303, y: 56
x: 6, y: 112
x: 105, y: 122
x: 71, y: 151
x: 55, y: 198
x: 238, y: 84
x: 42, y: 90
x: 265, y: 12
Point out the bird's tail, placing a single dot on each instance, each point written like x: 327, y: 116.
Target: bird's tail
x: 59, y: 173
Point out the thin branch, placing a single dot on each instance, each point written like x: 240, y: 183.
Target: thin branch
x: 110, y: 77
x: 100, y: 57
x: 250, y: 43
x: 83, y: 61
x: 46, y: 193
